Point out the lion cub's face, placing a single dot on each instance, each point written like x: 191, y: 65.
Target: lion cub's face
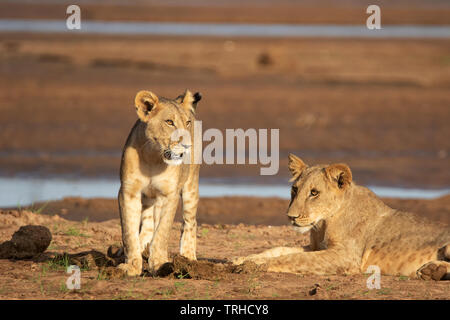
x: 166, y: 122
x: 317, y: 192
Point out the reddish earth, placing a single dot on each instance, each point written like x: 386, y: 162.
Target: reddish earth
x: 44, y: 276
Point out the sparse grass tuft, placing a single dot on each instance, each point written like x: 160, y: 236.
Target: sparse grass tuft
x: 182, y: 276
x: 204, y: 232
x: 166, y: 292
x: 383, y: 291
x: 179, y: 285
x: 72, y: 231
x: 253, y: 285
x: 331, y: 287
x: 44, y: 270
x: 35, y: 210
x: 101, y: 275
x: 52, y: 246
x: 59, y: 262
x: 62, y: 287
x: 85, y: 221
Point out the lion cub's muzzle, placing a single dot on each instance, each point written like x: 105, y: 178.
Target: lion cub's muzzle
x: 175, y: 154
x: 301, y: 226
x: 301, y: 222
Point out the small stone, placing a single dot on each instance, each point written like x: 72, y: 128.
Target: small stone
x: 313, y: 291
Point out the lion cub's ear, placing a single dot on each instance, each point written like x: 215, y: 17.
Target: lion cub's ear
x: 296, y: 166
x: 145, y: 102
x: 189, y: 100
x: 340, y: 174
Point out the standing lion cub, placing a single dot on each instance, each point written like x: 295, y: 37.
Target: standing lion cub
x: 351, y: 229
x: 153, y: 175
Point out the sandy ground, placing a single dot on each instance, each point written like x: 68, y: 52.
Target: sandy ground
x: 44, y: 277
x: 66, y: 104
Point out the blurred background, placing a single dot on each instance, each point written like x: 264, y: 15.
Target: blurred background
x: 379, y: 104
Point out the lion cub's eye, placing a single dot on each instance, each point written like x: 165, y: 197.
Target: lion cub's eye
x: 188, y: 123
x: 314, y: 193
x: 169, y: 122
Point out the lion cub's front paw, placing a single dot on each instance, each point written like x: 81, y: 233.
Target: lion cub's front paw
x: 132, y: 268
x: 435, y: 270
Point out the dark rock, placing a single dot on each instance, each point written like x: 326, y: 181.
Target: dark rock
x: 27, y: 242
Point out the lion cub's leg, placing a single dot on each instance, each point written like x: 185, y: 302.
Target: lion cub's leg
x: 130, y: 207
x: 439, y: 269
x: 147, y: 226
x: 263, y: 257
x: 317, y: 236
x: 188, y: 241
x: 329, y: 261
x: 160, y: 241
x: 436, y: 270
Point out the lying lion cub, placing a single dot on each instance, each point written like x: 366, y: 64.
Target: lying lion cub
x: 153, y: 175
x: 351, y: 229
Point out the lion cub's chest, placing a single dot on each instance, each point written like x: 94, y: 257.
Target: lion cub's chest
x: 168, y: 182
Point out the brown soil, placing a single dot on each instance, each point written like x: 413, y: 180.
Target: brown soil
x: 249, y: 11
x: 379, y: 105
x: 86, y: 244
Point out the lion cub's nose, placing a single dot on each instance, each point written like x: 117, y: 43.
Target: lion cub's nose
x: 292, y: 215
x: 168, y: 154
x: 291, y: 218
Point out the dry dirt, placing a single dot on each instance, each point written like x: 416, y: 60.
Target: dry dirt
x: 86, y: 243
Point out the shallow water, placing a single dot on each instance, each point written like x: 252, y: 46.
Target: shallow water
x: 19, y: 192
x: 227, y: 29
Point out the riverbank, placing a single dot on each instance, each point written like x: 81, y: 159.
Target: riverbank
x: 227, y: 210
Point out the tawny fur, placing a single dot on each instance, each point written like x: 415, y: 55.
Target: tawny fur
x: 151, y: 183
x: 351, y: 228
